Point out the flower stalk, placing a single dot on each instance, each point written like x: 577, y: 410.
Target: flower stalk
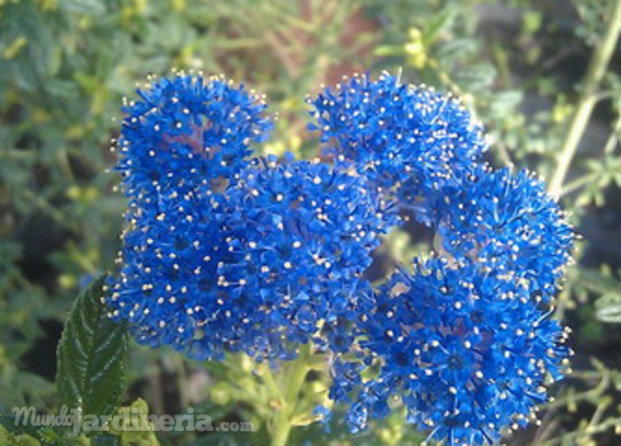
x: 295, y: 376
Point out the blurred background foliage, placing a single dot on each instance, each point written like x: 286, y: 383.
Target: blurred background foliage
x: 521, y: 65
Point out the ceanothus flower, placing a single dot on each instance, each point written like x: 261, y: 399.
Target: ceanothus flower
x: 188, y: 131
x: 271, y: 263
x: 302, y: 234
x: 227, y: 253
x: 398, y: 134
x: 508, y: 224
x: 167, y: 285
x: 468, y: 353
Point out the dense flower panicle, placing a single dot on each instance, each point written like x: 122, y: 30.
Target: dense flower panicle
x: 302, y: 236
x: 467, y: 352
x: 167, y: 287
x: 398, y: 133
x: 259, y: 269
x: 225, y: 253
x: 510, y: 225
x: 188, y: 131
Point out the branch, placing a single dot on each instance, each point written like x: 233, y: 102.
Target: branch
x: 588, y: 98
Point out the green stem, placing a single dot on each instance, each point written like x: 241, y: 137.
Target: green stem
x: 578, y: 183
x: 609, y: 147
x: 588, y: 98
x: 613, y: 139
x: 268, y: 379
x: 296, y: 375
x: 582, y: 433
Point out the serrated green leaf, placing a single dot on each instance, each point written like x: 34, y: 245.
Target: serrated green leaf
x: 91, y: 356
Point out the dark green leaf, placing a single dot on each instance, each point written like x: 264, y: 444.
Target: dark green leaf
x: 91, y: 356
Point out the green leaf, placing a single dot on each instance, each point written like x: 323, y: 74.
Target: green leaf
x: 608, y: 308
x: 506, y: 101
x: 389, y: 50
x: 599, y: 282
x: 455, y: 49
x: 91, y: 7
x: 439, y: 22
x: 477, y: 76
x: 91, y: 356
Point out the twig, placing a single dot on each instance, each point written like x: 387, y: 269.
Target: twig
x: 588, y: 98
x: 613, y: 139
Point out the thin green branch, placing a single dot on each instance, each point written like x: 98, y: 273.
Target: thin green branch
x: 578, y: 183
x: 588, y: 395
x: 580, y: 434
x: 609, y: 148
x: 588, y: 98
x: 613, y: 139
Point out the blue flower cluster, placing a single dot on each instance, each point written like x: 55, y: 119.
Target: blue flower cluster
x: 228, y: 253
x: 188, y: 132
x: 467, y: 353
x: 407, y: 140
x: 166, y: 287
x: 509, y: 225
x: 302, y: 233
x: 223, y: 252
x: 465, y: 341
